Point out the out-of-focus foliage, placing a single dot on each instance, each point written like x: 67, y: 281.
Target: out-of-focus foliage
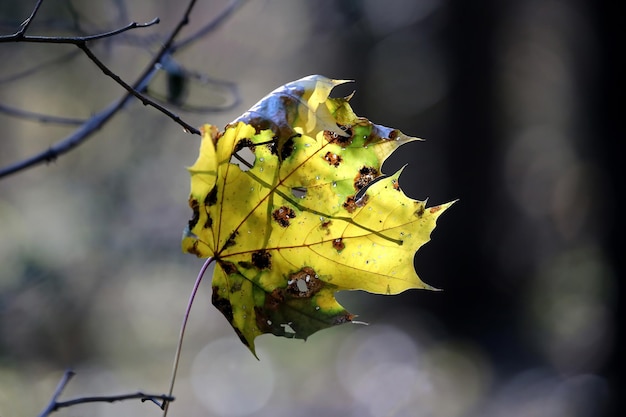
x: 308, y: 215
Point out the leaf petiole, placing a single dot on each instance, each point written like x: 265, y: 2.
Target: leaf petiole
x: 183, y: 326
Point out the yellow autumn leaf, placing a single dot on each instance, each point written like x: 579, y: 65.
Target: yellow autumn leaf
x: 307, y: 214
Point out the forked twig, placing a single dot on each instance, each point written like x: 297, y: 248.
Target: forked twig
x: 54, y: 404
x: 99, y: 119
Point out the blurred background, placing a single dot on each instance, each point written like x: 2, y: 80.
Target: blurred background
x: 514, y: 101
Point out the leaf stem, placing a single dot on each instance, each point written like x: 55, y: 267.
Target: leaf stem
x: 183, y: 326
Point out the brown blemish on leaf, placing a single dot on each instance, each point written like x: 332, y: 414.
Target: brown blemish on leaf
x: 420, y: 211
x: 231, y: 240
x: 304, y: 283
x: 333, y: 159
x: 194, y: 250
x: 365, y: 176
x: 338, y: 244
x: 195, y: 207
x: 393, y: 134
x: 342, y: 141
x: 344, y: 318
x: 211, y: 197
x: 262, y: 320
x: 209, y: 222
x: 282, y: 215
x: 228, y: 267
x: 435, y: 209
x: 351, y: 203
x: 262, y: 259
x: 245, y: 264
x: 287, y: 148
x: 274, y: 299
x: 395, y: 184
x: 222, y: 304
x: 235, y: 287
x: 272, y: 146
x: 244, y: 143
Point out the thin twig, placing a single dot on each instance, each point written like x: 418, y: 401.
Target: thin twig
x: 26, y: 23
x: 20, y: 37
x: 95, y: 122
x: 54, y: 404
x: 70, y: 142
x: 153, y: 398
x: 181, y: 336
x: 65, y: 379
x: 144, y: 99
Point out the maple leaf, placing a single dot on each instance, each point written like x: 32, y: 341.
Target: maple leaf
x: 308, y: 214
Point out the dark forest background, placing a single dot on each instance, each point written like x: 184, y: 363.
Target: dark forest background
x: 518, y: 103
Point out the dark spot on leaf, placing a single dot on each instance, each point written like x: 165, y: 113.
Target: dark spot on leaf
x: 244, y: 143
x: 333, y: 159
x: 194, y: 250
x: 231, y: 240
x: 235, y: 287
x: 209, y: 222
x: 272, y: 146
x: 420, y: 211
x: 195, y: 207
x: 365, y: 176
x: 228, y: 267
x: 352, y: 203
x: 262, y: 320
x: 395, y: 184
x: 435, y: 209
x: 338, y: 244
x: 222, y: 304
x: 211, y: 197
x: 344, y: 318
x: 287, y: 149
x: 326, y: 224
x: 262, y: 259
x: 275, y: 299
x: 282, y: 215
x: 304, y: 283
x: 342, y: 141
x: 393, y: 134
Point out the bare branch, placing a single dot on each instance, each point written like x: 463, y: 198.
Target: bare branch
x: 26, y: 23
x: 98, y: 120
x: 144, y: 99
x: 53, y: 405
x: 81, y: 134
x: 76, y: 40
x: 65, y: 379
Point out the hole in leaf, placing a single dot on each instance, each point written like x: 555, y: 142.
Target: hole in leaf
x: 298, y: 192
x: 243, y: 158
